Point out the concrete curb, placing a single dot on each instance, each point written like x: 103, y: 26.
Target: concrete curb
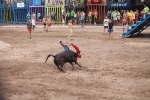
x: 62, y: 26
x: 56, y: 26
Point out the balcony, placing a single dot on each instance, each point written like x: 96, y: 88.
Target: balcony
x: 36, y: 2
x: 54, y: 2
x: 76, y: 3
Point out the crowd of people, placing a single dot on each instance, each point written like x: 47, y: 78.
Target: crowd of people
x: 124, y: 18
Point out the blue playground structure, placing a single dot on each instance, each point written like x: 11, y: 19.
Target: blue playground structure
x: 14, y: 12
x: 138, y: 27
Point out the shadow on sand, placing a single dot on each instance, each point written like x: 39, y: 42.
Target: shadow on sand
x: 141, y: 36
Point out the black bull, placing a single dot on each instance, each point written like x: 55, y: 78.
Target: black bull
x: 61, y: 58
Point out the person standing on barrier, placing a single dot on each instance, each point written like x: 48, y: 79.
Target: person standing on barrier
x: 137, y: 16
x: 53, y: 16
x: 90, y: 17
x: 75, y: 18
x: 82, y: 18
x: 72, y: 15
x: 146, y: 10
x: 29, y: 27
x: 95, y: 16
x: 28, y: 16
x: 67, y: 17
x: 39, y: 17
x: 63, y: 17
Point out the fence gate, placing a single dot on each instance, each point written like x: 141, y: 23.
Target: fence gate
x: 7, y: 16
x: 20, y: 16
x: 57, y: 10
x: 102, y: 9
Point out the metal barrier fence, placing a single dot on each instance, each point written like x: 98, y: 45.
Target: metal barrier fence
x: 7, y: 16
x: 36, y: 10
x: 57, y: 10
x: 20, y: 16
x: 101, y: 9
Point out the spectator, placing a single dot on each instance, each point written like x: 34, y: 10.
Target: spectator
x: 90, y: 17
x: 39, y: 17
x: 82, y: 18
x: 106, y: 21
x: 28, y: 16
x: 67, y: 16
x: 110, y: 28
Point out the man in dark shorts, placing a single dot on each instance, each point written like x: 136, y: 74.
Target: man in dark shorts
x: 29, y: 27
x: 110, y: 28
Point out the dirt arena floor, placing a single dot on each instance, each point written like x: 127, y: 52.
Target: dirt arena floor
x: 115, y: 69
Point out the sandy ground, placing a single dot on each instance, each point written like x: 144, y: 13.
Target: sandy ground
x: 115, y: 69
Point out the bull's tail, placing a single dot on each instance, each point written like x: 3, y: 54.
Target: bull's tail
x: 48, y: 57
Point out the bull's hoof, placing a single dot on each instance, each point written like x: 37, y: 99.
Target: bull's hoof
x: 62, y: 71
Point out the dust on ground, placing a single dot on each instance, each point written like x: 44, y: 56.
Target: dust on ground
x: 115, y: 69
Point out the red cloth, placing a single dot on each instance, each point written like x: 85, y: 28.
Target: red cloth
x: 49, y: 24
x: 137, y: 18
x: 77, y: 50
x: 29, y: 29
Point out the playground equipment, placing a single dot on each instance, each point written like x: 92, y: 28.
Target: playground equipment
x: 138, y: 27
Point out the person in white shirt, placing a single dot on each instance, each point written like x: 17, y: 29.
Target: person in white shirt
x: 106, y: 21
x: 33, y: 24
x: 39, y: 17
